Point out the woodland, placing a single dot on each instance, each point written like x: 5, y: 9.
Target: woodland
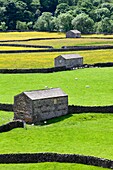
x: 88, y: 16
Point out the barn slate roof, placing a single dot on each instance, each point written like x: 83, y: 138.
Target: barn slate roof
x: 71, y: 56
x: 75, y: 31
x: 45, y: 93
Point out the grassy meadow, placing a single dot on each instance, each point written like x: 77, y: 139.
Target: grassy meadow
x: 5, y: 48
x: 45, y: 60
x: 74, y: 83
x: 29, y: 35
x: 58, y: 43
x: 80, y: 134
x: 88, y: 134
x: 49, y: 166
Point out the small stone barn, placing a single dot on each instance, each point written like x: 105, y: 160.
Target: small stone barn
x: 68, y: 60
x: 73, y: 34
x: 39, y: 105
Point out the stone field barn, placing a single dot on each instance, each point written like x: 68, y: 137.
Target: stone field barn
x: 73, y: 34
x: 68, y: 60
x: 40, y: 105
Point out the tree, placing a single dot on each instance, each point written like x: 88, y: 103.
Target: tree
x: 30, y: 25
x: 48, y: 5
x: 35, y: 4
x: 44, y: 22
x: 100, y: 13
x: 104, y: 26
x: 62, y: 8
x: 64, y: 22
x: 85, y: 5
x: 21, y: 26
x: 11, y: 12
x: 21, y: 7
x: 69, y: 2
x: 2, y: 13
x: 83, y: 23
x: 3, y: 26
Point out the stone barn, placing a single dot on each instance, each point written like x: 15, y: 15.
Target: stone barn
x: 73, y: 34
x: 39, y: 105
x: 68, y: 60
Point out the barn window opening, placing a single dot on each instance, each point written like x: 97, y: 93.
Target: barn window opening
x: 60, y: 61
x: 55, y: 101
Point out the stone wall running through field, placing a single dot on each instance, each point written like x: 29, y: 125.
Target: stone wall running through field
x: 71, y: 108
x: 55, y: 157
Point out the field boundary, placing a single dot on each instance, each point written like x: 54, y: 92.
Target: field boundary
x: 71, y: 108
x: 26, y: 45
x: 31, y: 39
x: 62, y: 49
x: 53, y: 69
x: 11, y: 125
x: 37, y: 70
x: 6, y: 107
x: 55, y: 157
x: 54, y: 38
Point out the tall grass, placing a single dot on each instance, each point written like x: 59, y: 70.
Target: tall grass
x: 28, y: 35
x: 58, y: 43
x: 43, y: 60
x: 5, y: 48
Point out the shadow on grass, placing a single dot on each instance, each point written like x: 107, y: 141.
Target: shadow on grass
x: 55, y: 120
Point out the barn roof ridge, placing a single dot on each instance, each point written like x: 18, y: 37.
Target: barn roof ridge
x: 44, y: 93
x: 74, y: 31
x: 71, y: 56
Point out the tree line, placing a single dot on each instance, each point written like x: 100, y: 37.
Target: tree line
x: 88, y: 16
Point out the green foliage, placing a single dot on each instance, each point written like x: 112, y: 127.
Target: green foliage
x: 31, y: 10
x: 83, y: 23
x: 21, y: 26
x: 48, y: 5
x: 45, y: 22
x: 3, y: 26
x: 104, y: 26
x: 61, y: 8
x: 64, y: 22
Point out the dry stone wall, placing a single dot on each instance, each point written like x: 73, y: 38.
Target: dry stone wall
x: 11, y: 125
x: 55, y: 157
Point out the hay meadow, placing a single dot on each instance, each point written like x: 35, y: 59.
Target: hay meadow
x: 45, y: 60
x: 88, y: 134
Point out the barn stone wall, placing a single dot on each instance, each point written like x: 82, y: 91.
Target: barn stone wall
x: 22, y: 108
x: 74, y: 62
x: 68, y: 63
x: 59, y: 62
x: 49, y: 108
x: 71, y: 34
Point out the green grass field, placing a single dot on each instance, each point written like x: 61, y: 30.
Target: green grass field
x: 49, y: 166
x: 88, y: 134
x: 81, y: 134
x: 100, y: 91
